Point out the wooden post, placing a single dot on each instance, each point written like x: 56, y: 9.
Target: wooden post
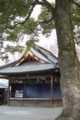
x: 51, y: 89
x: 25, y: 88
x: 8, y: 91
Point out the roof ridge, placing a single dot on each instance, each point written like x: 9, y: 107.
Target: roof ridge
x: 42, y: 48
x: 41, y: 52
x: 46, y: 50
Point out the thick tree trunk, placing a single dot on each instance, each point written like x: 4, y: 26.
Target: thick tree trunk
x: 70, y: 75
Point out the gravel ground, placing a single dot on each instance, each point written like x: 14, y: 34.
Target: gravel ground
x: 28, y: 113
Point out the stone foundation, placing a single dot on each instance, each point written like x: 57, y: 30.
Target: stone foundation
x: 33, y: 102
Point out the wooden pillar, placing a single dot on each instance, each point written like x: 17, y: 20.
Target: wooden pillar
x: 51, y: 89
x: 25, y: 88
x: 8, y: 91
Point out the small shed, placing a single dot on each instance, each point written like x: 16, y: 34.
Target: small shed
x: 34, y: 79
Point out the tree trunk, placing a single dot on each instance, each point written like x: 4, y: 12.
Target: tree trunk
x: 69, y: 65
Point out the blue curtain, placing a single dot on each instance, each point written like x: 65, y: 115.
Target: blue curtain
x: 43, y: 91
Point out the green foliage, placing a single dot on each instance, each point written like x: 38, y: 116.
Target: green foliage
x: 14, y: 13
x: 29, y: 27
x: 75, y: 15
x: 10, y: 9
x: 76, y: 22
x: 29, y: 44
x: 5, y: 57
x: 48, y: 22
x: 12, y: 37
x: 14, y: 49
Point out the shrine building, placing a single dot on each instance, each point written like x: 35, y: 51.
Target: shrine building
x: 34, y: 79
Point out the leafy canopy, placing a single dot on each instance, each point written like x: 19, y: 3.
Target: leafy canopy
x: 16, y: 21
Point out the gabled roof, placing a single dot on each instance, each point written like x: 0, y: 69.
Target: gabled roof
x: 36, y: 59
x: 44, y: 54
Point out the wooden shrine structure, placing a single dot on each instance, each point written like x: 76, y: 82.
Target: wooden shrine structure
x: 34, y: 79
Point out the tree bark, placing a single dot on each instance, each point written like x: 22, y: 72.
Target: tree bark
x: 69, y: 65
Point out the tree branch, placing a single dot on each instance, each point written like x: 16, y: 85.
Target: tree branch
x: 77, y: 4
x: 45, y: 21
x: 22, y: 23
x: 47, y: 5
x: 37, y: 2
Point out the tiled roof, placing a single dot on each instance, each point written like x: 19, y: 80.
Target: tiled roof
x: 50, y: 62
x: 27, y: 67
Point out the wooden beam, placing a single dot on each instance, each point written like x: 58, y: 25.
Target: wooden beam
x: 31, y: 75
x: 28, y: 77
